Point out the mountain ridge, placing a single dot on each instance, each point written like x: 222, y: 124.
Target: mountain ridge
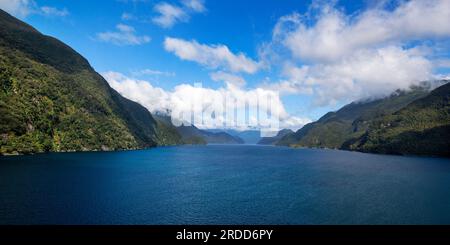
x: 249, y: 136
x: 348, y: 127
x: 52, y: 100
x: 276, y: 138
x: 422, y: 127
x: 190, y: 134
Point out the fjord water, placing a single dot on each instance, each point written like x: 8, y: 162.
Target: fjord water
x: 224, y: 184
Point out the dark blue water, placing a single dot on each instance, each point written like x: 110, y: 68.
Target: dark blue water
x: 224, y: 185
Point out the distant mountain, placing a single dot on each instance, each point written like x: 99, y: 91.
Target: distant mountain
x: 413, y: 122
x: 51, y: 99
x: 248, y: 136
x: 195, y: 136
x: 166, y: 132
x: 276, y: 138
x: 193, y: 133
x: 182, y: 134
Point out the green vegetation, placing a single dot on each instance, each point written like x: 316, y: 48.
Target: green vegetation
x: 52, y: 100
x: 423, y: 127
x: 193, y: 135
x: 414, y: 122
x: 194, y: 140
x: 335, y: 128
x: 179, y: 135
x: 167, y: 134
x: 276, y: 138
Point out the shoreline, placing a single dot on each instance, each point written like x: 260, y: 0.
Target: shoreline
x: 253, y: 145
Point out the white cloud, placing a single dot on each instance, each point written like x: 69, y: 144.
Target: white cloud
x: 185, y: 98
x: 442, y: 63
x: 152, y: 72
x: 335, y: 35
x: 229, y: 79
x: 366, y: 73
x: 126, y: 35
x: 194, y: 5
x: 169, y: 15
x: 23, y: 8
x: 51, y: 11
x: 153, y: 98
x: 127, y: 16
x: 212, y: 56
x: 339, y: 58
x: 19, y: 8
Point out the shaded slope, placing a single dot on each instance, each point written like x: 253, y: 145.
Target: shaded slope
x: 422, y: 127
x: 193, y: 135
x: 276, y: 138
x: 247, y: 136
x: 335, y: 128
x: 52, y: 100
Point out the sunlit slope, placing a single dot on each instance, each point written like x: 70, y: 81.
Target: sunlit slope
x: 51, y: 99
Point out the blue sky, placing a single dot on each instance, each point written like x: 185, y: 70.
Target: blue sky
x: 316, y: 55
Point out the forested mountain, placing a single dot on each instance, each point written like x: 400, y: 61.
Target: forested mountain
x: 412, y: 122
x: 51, y: 99
x: 251, y: 136
x: 422, y: 127
x: 193, y: 135
x: 276, y: 138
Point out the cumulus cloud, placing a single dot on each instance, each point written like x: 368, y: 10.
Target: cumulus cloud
x: 51, y: 11
x: 335, y: 35
x: 339, y: 57
x: 170, y: 14
x: 125, y: 35
x: 229, y: 79
x: 127, y: 16
x: 19, y: 8
x: 153, y: 98
x: 23, y: 8
x: 230, y: 107
x: 152, y: 72
x: 442, y: 63
x: 365, y: 74
x: 211, y: 56
x: 194, y: 5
